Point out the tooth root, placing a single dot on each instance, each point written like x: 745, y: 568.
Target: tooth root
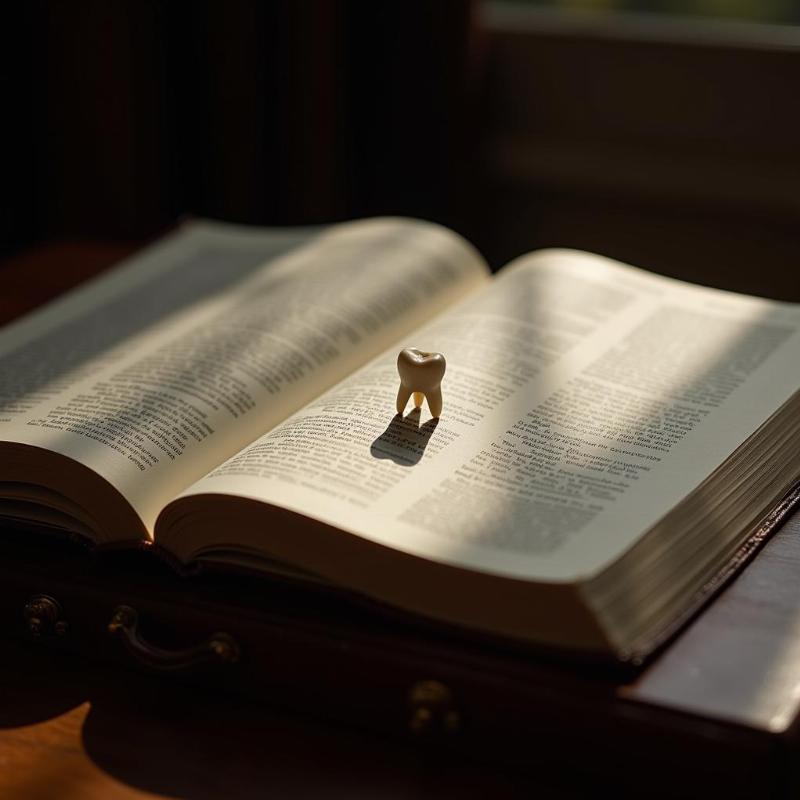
x: 418, y: 398
x: 435, y: 401
x: 403, y: 394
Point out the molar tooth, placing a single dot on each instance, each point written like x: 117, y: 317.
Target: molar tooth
x: 435, y: 401
x: 421, y: 374
x: 403, y: 393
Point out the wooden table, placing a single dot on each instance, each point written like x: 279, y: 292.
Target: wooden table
x: 71, y: 729
x: 68, y: 730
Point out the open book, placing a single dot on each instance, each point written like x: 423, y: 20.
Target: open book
x: 609, y: 439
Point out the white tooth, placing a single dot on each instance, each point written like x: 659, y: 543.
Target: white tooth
x: 435, y: 401
x: 421, y: 374
x: 402, y: 397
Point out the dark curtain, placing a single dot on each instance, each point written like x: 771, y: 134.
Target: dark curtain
x: 121, y: 116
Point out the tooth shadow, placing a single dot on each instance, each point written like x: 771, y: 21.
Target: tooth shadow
x: 405, y: 440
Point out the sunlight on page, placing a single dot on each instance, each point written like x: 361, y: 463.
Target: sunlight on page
x: 554, y: 484
x: 208, y: 363
x: 570, y: 381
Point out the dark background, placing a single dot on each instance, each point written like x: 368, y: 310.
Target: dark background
x: 671, y: 145
x: 127, y: 114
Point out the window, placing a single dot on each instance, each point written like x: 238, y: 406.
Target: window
x: 670, y: 142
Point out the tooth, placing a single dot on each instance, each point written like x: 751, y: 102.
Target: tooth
x: 402, y: 397
x: 421, y: 374
x: 435, y: 401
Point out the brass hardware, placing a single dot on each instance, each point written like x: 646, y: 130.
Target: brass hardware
x: 124, y: 617
x: 219, y: 648
x: 43, y: 616
x: 432, y: 710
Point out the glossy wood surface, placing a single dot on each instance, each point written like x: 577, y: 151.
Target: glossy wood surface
x: 740, y: 659
x: 69, y: 731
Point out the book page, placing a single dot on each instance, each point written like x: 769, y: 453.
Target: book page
x: 582, y: 401
x: 165, y: 368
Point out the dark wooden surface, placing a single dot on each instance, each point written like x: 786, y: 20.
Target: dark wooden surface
x: 70, y: 730
x: 75, y: 729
